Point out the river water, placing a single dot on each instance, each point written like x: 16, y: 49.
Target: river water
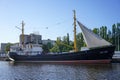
x: 53, y: 71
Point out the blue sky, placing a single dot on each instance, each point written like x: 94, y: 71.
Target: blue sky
x: 54, y: 18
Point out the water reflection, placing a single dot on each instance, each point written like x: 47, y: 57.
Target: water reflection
x: 52, y: 71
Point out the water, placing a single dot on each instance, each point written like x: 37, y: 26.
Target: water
x: 45, y: 71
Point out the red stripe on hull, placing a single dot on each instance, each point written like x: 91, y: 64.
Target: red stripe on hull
x: 75, y: 61
x: 91, y: 61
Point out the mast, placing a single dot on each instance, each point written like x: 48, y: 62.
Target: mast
x: 75, y: 46
x: 23, y: 33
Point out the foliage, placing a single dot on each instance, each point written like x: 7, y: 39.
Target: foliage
x: 80, y: 41
x: 96, y: 30
x: 7, y: 48
x: 112, y: 36
x: 47, y: 47
x: 55, y: 48
x: 62, y: 45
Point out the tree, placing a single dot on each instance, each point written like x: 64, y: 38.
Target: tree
x: 114, y: 34
x: 96, y: 31
x: 47, y: 47
x: 68, y: 42
x: 118, y: 36
x: 101, y: 32
x: 63, y: 45
x: 79, y: 41
x: 109, y: 36
x: 105, y: 32
x: 55, y: 48
x: 7, y: 48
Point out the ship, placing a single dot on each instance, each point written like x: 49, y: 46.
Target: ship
x: 97, y: 50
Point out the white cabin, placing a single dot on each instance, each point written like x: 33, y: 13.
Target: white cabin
x: 29, y: 49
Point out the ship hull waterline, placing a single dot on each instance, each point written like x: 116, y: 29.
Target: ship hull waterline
x: 98, y: 55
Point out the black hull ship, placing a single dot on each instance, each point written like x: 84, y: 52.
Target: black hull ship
x: 98, y: 51
x: 99, y: 55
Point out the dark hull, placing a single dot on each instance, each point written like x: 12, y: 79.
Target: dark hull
x: 98, y: 55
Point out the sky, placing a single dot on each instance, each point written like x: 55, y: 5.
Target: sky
x: 54, y: 18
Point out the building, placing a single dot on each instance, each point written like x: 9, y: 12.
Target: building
x: 35, y: 39
x: 32, y: 38
x: 3, y: 47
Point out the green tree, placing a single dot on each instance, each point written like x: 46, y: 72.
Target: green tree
x: 109, y: 36
x: 118, y: 36
x: 80, y: 41
x: 45, y: 48
x: 68, y: 41
x: 63, y: 45
x: 7, y: 48
x: 114, y: 34
x: 101, y: 32
x: 105, y: 32
x: 58, y: 42
x: 66, y: 44
x: 96, y: 31
x: 55, y: 48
